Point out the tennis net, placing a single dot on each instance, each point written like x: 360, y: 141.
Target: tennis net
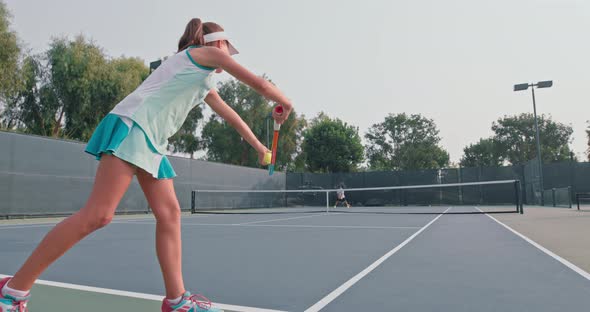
x: 475, y: 197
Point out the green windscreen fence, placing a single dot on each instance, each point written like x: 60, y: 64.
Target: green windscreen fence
x: 42, y: 176
x: 557, y: 178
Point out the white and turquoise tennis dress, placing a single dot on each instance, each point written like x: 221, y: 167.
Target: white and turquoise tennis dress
x: 138, y: 128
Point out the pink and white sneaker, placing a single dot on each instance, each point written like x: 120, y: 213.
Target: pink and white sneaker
x: 12, y: 304
x: 189, y: 303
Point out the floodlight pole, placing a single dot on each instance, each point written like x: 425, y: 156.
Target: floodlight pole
x: 539, y: 159
x: 524, y: 86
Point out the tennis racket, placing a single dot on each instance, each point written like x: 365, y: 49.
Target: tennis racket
x: 275, y: 141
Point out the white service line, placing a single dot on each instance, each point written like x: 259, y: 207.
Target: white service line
x: 26, y: 226
x: 315, y: 226
x: 49, y: 224
x: 153, y: 218
x: 133, y: 222
x: 289, y: 225
x: 199, y: 216
x: 37, y: 225
x: 234, y: 224
x: 307, y: 226
x: 330, y: 226
x: 131, y: 294
x: 568, y: 264
x: 282, y: 219
x: 338, y: 291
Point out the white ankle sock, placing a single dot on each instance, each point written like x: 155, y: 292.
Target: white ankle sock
x: 174, y: 301
x: 14, y: 292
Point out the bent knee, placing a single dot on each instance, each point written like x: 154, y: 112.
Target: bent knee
x: 103, y: 221
x: 168, y: 213
x: 92, y: 222
x: 97, y: 222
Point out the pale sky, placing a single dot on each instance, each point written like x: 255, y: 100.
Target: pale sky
x: 454, y: 61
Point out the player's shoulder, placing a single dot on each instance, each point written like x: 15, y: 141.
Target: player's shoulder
x: 207, y: 51
x: 211, y: 56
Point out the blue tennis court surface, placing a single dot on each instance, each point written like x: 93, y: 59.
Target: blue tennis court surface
x: 311, y: 262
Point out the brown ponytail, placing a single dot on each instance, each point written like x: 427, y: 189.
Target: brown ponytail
x: 194, y: 32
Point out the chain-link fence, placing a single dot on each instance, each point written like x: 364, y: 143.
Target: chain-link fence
x: 556, y: 176
x: 44, y: 176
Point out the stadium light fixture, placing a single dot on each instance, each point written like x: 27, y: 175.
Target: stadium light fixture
x: 522, y: 87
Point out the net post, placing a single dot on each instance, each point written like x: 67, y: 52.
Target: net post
x: 521, y: 196
x: 193, y: 203
x: 569, y: 196
x: 460, y: 178
x: 327, y: 201
x: 519, y: 199
x: 516, y: 196
x: 553, y: 197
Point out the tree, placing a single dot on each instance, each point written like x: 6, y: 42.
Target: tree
x: 129, y: 72
x: 186, y: 139
x: 9, y: 68
x: 403, y: 142
x: 65, y: 91
x: 10, y: 52
x: 486, y: 152
x: 82, y: 84
x: 225, y: 145
x: 331, y: 145
x: 516, y: 138
x: 37, y: 105
x: 68, y: 89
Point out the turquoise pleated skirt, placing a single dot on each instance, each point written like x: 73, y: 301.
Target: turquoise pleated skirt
x: 121, y: 137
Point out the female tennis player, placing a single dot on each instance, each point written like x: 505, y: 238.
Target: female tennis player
x: 132, y: 140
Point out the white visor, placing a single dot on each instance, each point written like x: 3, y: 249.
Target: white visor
x: 220, y: 35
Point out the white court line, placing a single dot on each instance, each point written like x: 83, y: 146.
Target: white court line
x: 37, y: 225
x: 292, y: 226
x: 330, y: 226
x: 26, y: 226
x: 133, y: 220
x: 50, y: 224
x: 53, y: 223
x: 131, y: 294
x: 311, y: 226
x: 244, y: 223
x: 153, y: 222
x: 568, y: 264
x: 282, y: 219
x: 338, y: 291
x: 9, y: 226
x: 198, y: 216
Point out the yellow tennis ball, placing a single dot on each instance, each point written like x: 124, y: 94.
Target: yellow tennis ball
x: 267, y: 158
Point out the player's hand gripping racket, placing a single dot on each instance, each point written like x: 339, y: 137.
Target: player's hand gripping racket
x: 275, y: 141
